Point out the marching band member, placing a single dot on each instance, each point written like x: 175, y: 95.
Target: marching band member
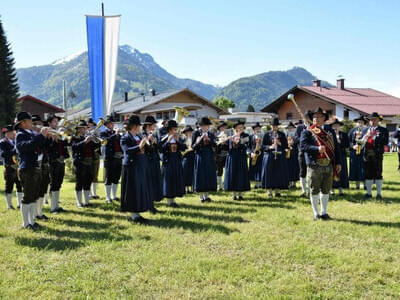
x: 58, y: 152
x: 396, y: 135
x: 256, y: 157
x: 83, y: 153
x: 112, y: 160
x: 236, y: 169
x: 356, y: 157
x: 44, y: 167
x: 27, y: 145
x: 275, y: 175
x: 205, y: 176
x: 171, y: 145
x: 292, y: 155
x: 221, y: 153
x: 91, y: 124
x: 152, y: 150
x: 375, y: 138
x: 343, y: 142
x: 136, y: 188
x: 9, y: 155
x: 322, y: 156
x: 188, y: 159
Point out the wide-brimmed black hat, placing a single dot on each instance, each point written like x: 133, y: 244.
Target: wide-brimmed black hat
x: 133, y: 120
x: 150, y: 120
x: 36, y: 118
x: 309, y: 114
x: 238, y: 122
x: 256, y: 125
x: 299, y: 122
x: 91, y: 121
x: 81, y: 123
x: 205, y: 121
x: 7, y: 128
x: 109, y: 119
x: 172, y: 124
x: 361, y: 118
x: 336, y: 121
x: 187, y: 128
x: 21, y: 116
x: 222, y: 124
x: 291, y: 125
x: 319, y: 110
x: 50, y: 118
x: 275, y: 122
x: 375, y: 115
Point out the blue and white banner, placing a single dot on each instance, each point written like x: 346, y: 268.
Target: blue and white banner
x: 102, y: 37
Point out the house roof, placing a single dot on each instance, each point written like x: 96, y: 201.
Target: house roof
x: 48, y: 105
x: 136, y: 104
x: 362, y: 100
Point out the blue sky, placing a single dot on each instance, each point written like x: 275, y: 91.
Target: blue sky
x: 220, y: 41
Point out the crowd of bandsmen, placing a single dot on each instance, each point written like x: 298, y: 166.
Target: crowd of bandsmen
x: 201, y: 160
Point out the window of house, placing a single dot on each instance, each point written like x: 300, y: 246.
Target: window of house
x: 159, y: 116
x: 289, y: 116
x: 165, y: 115
x: 172, y: 114
x: 346, y: 114
x: 329, y: 112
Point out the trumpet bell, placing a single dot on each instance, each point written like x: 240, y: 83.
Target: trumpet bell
x: 290, y: 97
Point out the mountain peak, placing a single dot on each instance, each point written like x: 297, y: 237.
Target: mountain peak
x: 67, y: 58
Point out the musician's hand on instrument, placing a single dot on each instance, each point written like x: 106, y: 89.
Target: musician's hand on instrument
x: 236, y: 140
x: 88, y: 139
x: 44, y: 131
x: 170, y: 137
x: 151, y: 138
x: 143, y: 143
x: 198, y: 140
x: 252, y: 155
x: 338, y: 168
x: 355, y: 147
x: 321, y: 149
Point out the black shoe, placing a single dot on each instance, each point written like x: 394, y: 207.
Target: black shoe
x: 95, y: 197
x: 60, y: 209
x: 341, y: 194
x: 378, y: 197
x: 234, y: 198
x: 44, y: 217
x: 54, y: 211
x: 241, y: 198
x: 115, y: 199
x: 11, y: 208
x: 154, y: 211
x: 36, y: 226
x: 255, y: 187
x: 18, y: 207
x: 277, y: 194
x: 303, y: 195
x: 315, y: 218
x: 88, y: 205
x: 208, y: 199
x: 138, y: 220
x: 325, y: 217
x: 29, y: 226
x: 173, y: 204
x: 367, y: 196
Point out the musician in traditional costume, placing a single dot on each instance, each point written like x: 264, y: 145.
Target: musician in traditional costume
x: 112, y: 159
x: 84, y: 149
x: 172, y: 170
x: 275, y: 174
x: 292, y: 155
x: 344, y: 144
x: 256, y: 156
x: 27, y: 145
x: 236, y: 169
x: 152, y: 150
x: 221, y: 152
x: 396, y: 135
x: 96, y: 163
x: 58, y: 152
x: 375, y: 138
x: 188, y: 159
x: 8, y: 155
x: 300, y: 126
x: 43, y: 162
x: 356, y: 156
x: 322, y: 155
x: 205, y: 176
x: 136, y: 187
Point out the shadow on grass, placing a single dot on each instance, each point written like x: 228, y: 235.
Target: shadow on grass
x: 49, y: 244
x: 370, y: 223
x: 87, y: 235
x: 221, y: 218
x: 264, y: 203
x: 360, y: 198
x: 206, y: 207
x: 189, y: 225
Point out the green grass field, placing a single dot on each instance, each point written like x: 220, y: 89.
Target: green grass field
x: 258, y: 248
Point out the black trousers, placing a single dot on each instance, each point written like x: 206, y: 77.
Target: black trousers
x: 57, y: 172
x: 11, y: 178
x: 30, y: 180
x: 83, y: 175
x: 373, y: 167
x: 220, y: 164
x: 113, y: 168
x: 44, y: 179
x: 302, y: 165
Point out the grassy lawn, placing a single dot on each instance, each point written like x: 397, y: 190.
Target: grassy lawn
x: 258, y: 248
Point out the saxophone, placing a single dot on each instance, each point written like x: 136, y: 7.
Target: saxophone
x: 358, y: 141
x: 257, y: 151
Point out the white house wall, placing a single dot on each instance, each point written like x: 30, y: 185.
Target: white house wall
x: 204, y: 111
